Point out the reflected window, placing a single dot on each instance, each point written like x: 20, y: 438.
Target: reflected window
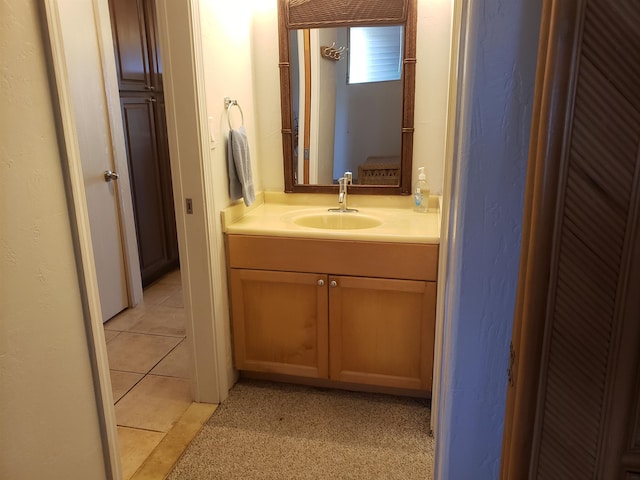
x: 375, y: 54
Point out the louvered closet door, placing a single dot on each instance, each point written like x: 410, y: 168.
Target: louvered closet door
x: 587, y: 418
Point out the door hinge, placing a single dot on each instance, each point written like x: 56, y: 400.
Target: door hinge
x: 512, y: 359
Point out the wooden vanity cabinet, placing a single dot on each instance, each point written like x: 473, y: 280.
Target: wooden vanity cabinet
x: 357, y: 321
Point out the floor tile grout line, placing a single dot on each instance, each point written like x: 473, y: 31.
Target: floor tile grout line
x: 150, y: 372
x: 129, y: 390
x: 183, y: 336
x: 166, y: 376
x: 145, y: 429
x: 176, y: 346
x: 155, y: 364
x: 144, y: 375
x: 155, y: 374
x: 165, y: 356
x: 155, y: 334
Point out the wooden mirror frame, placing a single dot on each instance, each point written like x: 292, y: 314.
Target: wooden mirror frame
x: 297, y: 14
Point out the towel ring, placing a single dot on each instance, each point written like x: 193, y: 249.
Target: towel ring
x: 228, y: 103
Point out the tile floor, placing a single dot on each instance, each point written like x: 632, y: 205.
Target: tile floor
x: 148, y: 361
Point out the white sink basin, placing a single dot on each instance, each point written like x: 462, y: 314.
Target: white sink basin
x: 337, y: 221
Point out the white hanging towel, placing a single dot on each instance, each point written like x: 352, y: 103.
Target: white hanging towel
x: 239, y: 166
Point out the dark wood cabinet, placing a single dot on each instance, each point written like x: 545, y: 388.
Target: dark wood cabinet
x: 150, y: 176
x: 139, y: 70
x: 134, y: 36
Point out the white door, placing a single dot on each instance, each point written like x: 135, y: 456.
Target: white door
x: 86, y: 84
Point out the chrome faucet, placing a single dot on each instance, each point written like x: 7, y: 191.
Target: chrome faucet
x: 344, y: 183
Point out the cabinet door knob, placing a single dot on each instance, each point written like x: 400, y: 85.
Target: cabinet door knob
x: 333, y: 283
x: 320, y: 283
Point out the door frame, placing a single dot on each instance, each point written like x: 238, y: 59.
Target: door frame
x: 83, y: 246
x: 556, y: 103
x: 549, y: 128
x: 447, y: 263
x: 199, y: 241
x: 197, y: 235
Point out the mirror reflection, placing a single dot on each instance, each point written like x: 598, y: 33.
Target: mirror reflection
x: 347, y: 101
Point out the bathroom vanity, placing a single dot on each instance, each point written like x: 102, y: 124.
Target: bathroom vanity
x: 351, y: 304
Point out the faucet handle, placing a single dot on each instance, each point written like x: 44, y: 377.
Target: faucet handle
x: 348, y: 176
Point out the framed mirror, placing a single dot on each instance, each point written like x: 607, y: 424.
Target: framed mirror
x: 336, y: 117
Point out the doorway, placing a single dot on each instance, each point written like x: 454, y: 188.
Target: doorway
x: 139, y: 74
x: 145, y: 340
x: 204, y: 337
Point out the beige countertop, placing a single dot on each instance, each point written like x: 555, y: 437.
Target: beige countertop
x: 274, y: 214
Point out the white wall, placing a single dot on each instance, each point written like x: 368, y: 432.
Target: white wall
x: 48, y: 409
x: 432, y: 74
x: 433, y: 45
x: 365, y: 127
x: 227, y: 54
x: 267, y: 94
x: 226, y: 47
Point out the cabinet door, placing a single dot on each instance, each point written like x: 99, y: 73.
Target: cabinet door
x: 149, y: 171
x: 131, y: 44
x: 382, y: 331
x: 135, y: 44
x: 280, y: 322
x: 154, y: 46
x: 166, y: 184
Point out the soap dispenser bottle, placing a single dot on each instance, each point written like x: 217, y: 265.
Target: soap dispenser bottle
x: 421, y: 192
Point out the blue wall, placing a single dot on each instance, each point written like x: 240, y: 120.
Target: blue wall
x: 487, y: 200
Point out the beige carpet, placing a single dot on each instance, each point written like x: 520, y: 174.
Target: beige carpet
x: 276, y: 431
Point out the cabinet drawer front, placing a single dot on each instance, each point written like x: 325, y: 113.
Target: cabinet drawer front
x: 410, y: 261
x: 280, y: 322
